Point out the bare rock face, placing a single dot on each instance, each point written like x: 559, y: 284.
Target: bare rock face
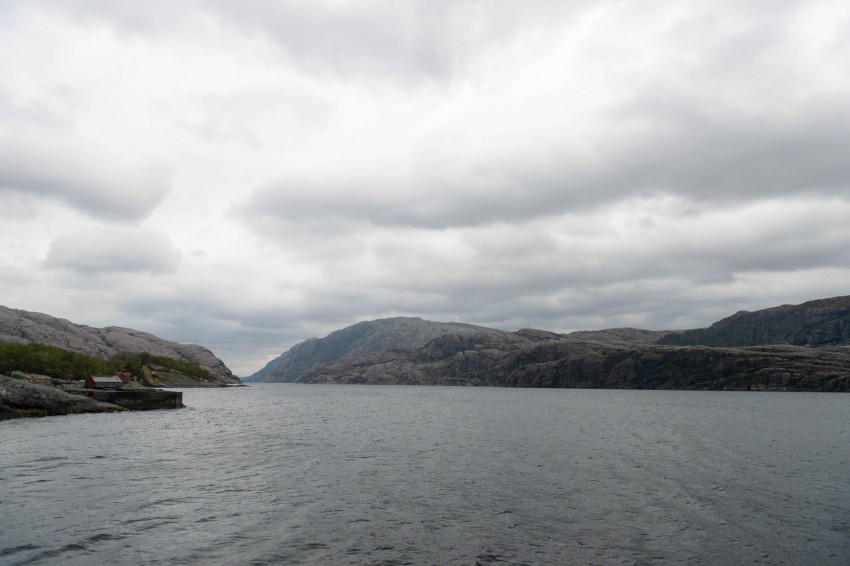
x: 23, y: 327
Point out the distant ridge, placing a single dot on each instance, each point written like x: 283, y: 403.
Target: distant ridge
x: 788, y: 348
x: 369, y: 338
x: 822, y: 322
x: 357, y: 340
x: 24, y: 327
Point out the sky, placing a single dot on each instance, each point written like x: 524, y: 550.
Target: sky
x: 247, y: 175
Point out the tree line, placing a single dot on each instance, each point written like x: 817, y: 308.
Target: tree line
x: 64, y: 364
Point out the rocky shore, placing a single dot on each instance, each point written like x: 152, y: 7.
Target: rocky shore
x: 25, y: 398
x: 27, y: 395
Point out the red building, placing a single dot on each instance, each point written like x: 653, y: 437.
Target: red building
x: 104, y: 382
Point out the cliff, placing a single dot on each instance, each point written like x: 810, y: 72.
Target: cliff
x: 24, y: 327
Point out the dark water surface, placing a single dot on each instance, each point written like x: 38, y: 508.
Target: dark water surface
x: 294, y: 474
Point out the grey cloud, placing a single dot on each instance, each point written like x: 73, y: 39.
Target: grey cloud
x: 85, y: 180
x: 437, y: 39
x: 19, y: 208
x: 242, y: 335
x: 151, y: 17
x: 386, y: 40
x: 113, y: 250
x: 560, y: 290
x: 12, y: 278
x: 364, y: 241
x: 239, y: 116
x: 44, y: 153
x: 347, y: 37
x: 774, y: 251
x: 526, y: 274
x: 714, y: 153
x: 707, y: 159
x: 680, y: 136
x: 711, y: 246
x: 55, y: 111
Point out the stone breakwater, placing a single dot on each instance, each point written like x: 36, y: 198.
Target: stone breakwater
x: 135, y: 399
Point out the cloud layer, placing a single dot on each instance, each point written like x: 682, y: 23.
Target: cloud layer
x: 247, y: 176
x: 114, y: 250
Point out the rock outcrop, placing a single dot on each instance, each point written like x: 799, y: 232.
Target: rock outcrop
x: 23, y: 327
x: 23, y: 398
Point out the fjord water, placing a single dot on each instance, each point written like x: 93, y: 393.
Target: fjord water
x: 298, y: 474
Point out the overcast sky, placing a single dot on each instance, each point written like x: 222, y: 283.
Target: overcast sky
x: 246, y: 175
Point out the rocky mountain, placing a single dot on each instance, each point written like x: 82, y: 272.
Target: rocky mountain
x: 616, y: 358
x: 758, y: 368
x: 359, y: 339
x: 815, y: 323
x: 594, y: 365
x: 24, y: 327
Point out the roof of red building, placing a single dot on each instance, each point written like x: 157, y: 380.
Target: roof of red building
x: 106, y: 379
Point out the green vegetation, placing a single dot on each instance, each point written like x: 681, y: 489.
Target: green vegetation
x: 52, y: 361
x: 64, y: 364
x: 135, y: 362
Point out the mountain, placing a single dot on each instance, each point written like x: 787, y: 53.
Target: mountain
x: 815, y: 323
x: 773, y: 349
x: 358, y: 340
x: 24, y: 327
x: 369, y: 342
x: 595, y: 365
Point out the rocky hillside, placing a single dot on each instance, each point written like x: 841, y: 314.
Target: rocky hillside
x: 593, y: 365
x: 815, y: 323
x: 24, y: 327
x: 359, y: 339
x: 757, y: 368
x: 621, y: 358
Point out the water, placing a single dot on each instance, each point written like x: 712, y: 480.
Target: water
x: 298, y: 474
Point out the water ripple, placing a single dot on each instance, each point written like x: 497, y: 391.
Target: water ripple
x: 413, y: 475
